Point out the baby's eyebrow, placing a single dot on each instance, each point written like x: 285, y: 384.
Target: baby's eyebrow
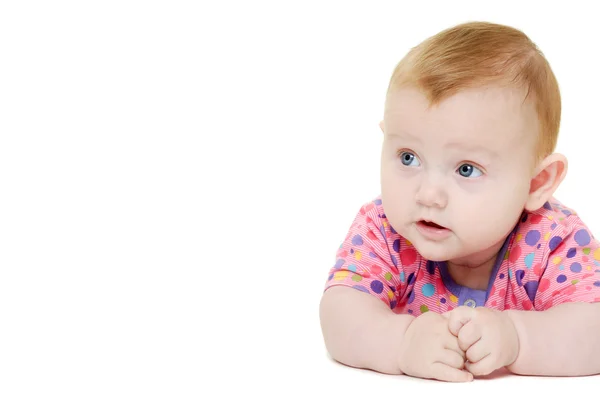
x: 473, y: 148
x: 403, y: 135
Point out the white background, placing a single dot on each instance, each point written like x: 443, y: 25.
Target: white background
x: 175, y: 178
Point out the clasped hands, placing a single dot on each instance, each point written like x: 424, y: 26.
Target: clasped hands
x: 458, y: 345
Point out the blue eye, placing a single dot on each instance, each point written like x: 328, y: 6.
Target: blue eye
x: 469, y: 171
x: 409, y: 159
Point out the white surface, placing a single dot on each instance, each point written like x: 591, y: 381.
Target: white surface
x: 176, y: 177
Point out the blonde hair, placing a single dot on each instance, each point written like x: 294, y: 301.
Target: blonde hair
x: 477, y: 54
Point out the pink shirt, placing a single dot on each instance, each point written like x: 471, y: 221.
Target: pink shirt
x: 549, y: 258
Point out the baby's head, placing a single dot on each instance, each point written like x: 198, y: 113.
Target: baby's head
x: 470, y: 126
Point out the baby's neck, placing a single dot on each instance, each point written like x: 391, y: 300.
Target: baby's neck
x: 474, y: 272
x: 476, y: 277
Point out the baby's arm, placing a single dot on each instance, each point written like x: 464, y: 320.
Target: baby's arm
x: 361, y: 331
x: 562, y: 336
x: 561, y: 341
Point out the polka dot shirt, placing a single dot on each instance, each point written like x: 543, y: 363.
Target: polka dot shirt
x: 549, y: 258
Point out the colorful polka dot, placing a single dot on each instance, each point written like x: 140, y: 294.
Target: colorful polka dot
x: 361, y: 288
x: 561, y: 278
x: 582, y: 237
x: 377, y: 286
x: 571, y: 253
x: 443, y: 300
x: 411, y: 297
x: 357, y: 240
x: 340, y: 275
x: 357, y: 255
x: 597, y: 254
x: 532, y: 237
x: 408, y: 256
x: 357, y: 278
x: 576, y: 267
x: 554, y: 242
x: 428, y: 290
x: 515, y: 253
x: 531, y: 289
x: 396, y: 245
x: 529, y: 260
x: 424, y: 309
x: 520, y: 274
x: 556, y: 260
x: 339, y: 263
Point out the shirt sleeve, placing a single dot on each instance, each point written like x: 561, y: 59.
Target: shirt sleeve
x: 572, y: 270
x: 364, y: 261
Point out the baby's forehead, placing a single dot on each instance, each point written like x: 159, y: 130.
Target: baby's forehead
x: 483, y: 116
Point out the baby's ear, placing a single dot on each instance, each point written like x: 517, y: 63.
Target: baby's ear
x: 548, y: 176
x: 381, y: 126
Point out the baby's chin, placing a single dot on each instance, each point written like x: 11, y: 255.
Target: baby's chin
x: 437, y: 251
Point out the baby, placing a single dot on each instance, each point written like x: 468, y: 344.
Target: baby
x: 466, y: 263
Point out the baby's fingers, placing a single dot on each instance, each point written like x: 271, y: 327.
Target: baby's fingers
x: 443, y: 372
x: 459, y: 317
x: 452, y: 359
x: 485, y: 366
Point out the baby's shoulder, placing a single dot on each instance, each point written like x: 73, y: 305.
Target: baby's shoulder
x: 549, y: 228
x: 553, y: 216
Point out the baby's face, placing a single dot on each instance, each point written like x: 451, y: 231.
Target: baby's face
x: 465, y: 165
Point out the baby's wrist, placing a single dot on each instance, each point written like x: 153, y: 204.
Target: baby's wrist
x: 514, y: 337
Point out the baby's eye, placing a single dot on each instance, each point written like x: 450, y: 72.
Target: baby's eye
x: 469, y: 171
x: 409, y: 159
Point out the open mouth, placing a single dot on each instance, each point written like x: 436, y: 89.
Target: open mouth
x: 431, y: 224
x: 432, y: 231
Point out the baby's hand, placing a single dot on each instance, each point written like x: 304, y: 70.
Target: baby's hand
x: 488, y: 337
x: 429, y: 350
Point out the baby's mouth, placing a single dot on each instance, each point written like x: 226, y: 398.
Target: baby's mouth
x: 431, y: 224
